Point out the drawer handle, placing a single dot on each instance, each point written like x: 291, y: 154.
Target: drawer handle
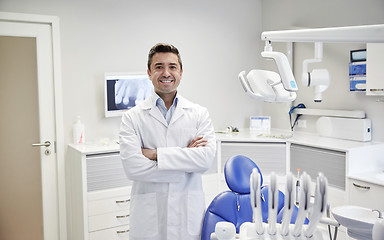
x: 123, y: 201
x: 123, y: 231
x: 363, y: 187
x: 123, y: 216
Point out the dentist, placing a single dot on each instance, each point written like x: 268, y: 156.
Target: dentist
x: 166, y: 144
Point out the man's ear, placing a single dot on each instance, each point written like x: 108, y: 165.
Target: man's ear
x: 148, y: 72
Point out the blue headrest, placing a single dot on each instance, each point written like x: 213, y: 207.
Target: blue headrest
x: 237, y: 172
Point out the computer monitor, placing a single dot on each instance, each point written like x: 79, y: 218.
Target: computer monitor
x: 124, y: 91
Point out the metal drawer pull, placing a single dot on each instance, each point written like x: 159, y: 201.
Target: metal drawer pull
x: 121, y: 232
x: 123, y: 216
x: 123, y: 201
x: 376, y: 89
x: 359, y: 186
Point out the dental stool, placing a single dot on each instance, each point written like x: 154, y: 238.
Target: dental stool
x: 235, y: 206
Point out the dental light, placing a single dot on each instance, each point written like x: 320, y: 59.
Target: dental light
x: 269, y: 87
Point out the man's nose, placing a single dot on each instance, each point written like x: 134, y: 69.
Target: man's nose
x: 166, y: 72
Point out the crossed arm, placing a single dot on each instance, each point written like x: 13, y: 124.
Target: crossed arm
x: 197, y: 142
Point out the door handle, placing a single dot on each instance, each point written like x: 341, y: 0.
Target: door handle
x: 45, y: 144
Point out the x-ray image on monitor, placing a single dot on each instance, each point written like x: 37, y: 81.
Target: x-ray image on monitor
x: 124, y: 91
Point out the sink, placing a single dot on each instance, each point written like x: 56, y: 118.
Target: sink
x: 356, y: 219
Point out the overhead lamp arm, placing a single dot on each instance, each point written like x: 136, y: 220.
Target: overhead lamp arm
x: 270, y: 87
x: 350, y: 34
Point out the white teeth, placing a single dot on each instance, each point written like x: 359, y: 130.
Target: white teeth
x: 166, y: 81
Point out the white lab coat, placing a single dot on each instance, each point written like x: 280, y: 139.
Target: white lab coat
x: 167, y: 199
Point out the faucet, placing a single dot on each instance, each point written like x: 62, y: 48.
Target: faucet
x: 379, y: 212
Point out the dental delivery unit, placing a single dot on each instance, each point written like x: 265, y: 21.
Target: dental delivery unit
x: 281, y: 226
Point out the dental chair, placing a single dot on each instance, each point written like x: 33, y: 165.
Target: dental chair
x: 235, y: 206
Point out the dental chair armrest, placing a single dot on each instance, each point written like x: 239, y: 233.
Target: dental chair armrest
x: 329, y: 221
x: 213, y: 236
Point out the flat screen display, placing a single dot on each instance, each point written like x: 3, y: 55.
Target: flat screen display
x: 124, y: 91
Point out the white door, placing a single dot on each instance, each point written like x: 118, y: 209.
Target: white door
x: 29, y: 202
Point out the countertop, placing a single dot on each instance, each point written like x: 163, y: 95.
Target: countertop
x: 245, y: 135
x: 303, y: 138
x: 375, y: 177
x: 274, y: 136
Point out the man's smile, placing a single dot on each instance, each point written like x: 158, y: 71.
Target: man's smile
x: 166, y: 81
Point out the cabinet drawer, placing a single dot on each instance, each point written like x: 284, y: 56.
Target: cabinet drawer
x: 108, y: 205
x: 366, y: 194
x: 118, y: 233
x: 108, y: 220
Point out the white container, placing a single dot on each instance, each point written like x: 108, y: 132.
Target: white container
x: 78, y: 131
x: 260, y: 124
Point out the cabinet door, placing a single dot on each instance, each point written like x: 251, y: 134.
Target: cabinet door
x: 375, y: 81
x: 268, y: 156
x: 105, y: 171
x: 314, y: 160
x: 366, y: 194
x: 331, y: 163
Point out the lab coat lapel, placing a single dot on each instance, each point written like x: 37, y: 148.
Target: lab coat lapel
x: 155, y: 113
x: 179, y: 112
x: 182, y: 105
x: 153, y: 110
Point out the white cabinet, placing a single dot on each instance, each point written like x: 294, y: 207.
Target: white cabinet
x: 268, y: 154
x: 339, y: 160
x: 99, y: 193
x: 366, y: 194
x: 375, y: 78
x: 332, y: 164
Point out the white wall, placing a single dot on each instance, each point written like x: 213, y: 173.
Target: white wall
x: 217, y: 39
x: 279, y: 15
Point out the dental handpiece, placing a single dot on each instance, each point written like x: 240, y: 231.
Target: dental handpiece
x: 256, y: 201
x: 305, y: 195
x: 273, y: 200
x: 319, y: 205
x: 298, y: 187
x: 288, y: 205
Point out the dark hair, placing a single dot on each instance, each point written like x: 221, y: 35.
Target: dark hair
x: 163, y: 48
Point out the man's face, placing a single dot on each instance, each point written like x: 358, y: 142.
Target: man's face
x: 165, y: 73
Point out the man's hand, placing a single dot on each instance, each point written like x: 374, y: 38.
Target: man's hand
x: 150, y: 153
x: 198, y: 142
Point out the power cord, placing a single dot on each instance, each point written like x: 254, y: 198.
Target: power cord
x: 300, y: 105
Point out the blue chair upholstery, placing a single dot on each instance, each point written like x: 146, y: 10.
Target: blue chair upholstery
x: 237, y: 172
x: 235, y: 206
x: 231, y: 206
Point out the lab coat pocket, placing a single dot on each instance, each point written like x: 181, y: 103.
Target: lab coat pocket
x: 143, y: 219
x: 196, y: 206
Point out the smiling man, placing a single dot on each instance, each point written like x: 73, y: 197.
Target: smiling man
x: 166, y: 143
